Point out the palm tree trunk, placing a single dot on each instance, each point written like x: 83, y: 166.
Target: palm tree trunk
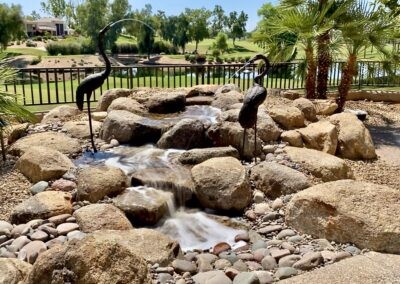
x: 348, y: 72
x: 3, y: 148
x: 324, y: 59
x: 311, y: 73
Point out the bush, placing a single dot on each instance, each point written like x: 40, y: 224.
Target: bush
x: 201, y: 58
x: 239, y: 59
x: 228, y: 60
x: 218, y: 60
x: 36, y: 60
x: 164, y: 47
x: 87, y: 47
x: 30, y: 43
x: 124, y: 48
x: 37, y: 38
x: 192, y: 58
x: 70, y: 48
x: 215, y: 52
x: 247, y: 58
x: 210, y: 60
x: 187, y: 56
x: 242, y: 60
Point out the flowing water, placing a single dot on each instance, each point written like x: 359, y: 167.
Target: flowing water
x: 157, y: 169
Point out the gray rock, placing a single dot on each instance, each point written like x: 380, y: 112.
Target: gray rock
x: 309, y: 261
x: 269, y: 229
x: 269, y: 263
x: 197, y: 156
x: 240, y: 265
x: 31, y: 251
x: 39, y: 236
x: 259, y: 244
x: 230, y: 256
x: 278, y: 253
x: 289, y: 260
x: 205, y: 261
x: 18, y: 243
x: 295, y: 239
x: 20, y: 230
x: 246, y: 278
x: 221, y: 264
x: 39, y: 187
x: 353, y: 250
x: 5, y: 226
x: 65, y: 228
x: 260, y: 253
x: 59, y: 219
x: 285, y: 272
x: 76, y: 235
x: 285, y: 233
x: 264, y: 277
x: 211, y: 277
x: 164, y: 278
x: 181, y: 266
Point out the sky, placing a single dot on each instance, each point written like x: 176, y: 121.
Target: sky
x: 172, y: 7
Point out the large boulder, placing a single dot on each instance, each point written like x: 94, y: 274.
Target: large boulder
x: 127, y: 104
x: 144, y: 205
x: 107, y: 98
x: 13, y: 271
x: 96, y: 217
x: 349, y: 211
x: 276, y: 180
x: 16, y: 132
x: 225, y: 100
x: 42, y: 206
x: 320, y: 136
x: 152, y: 245
x: 39, y: 163
x: 293, y: 138
x: 321, y: 165
x: 202, y: 90
x: 325, y: 107
x: 289, y: 117
x: 127, y: 127
x: 227, y: 88
x: 372, y: 267
x: 227, y: 133
x: 94, y: 183
x: 307, y: 108
x: 60, y: 113
x: 165, y: 102
x: 92, y: 260
x: 52, y: 140
x: 186, y: 134
x: 197, y: 156
x: 221, y: 183
x: 80, y: 129
x: 355, y: 141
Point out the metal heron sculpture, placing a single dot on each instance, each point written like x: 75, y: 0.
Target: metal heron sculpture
x: 94, y: 81
x: 254, y: 97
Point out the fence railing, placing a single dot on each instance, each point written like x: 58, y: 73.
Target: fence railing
x: 44, y: 86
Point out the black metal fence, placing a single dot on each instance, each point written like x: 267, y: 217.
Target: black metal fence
x: 44, y: 86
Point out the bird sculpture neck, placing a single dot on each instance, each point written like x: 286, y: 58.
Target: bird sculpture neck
x: 260, y: 76
x: 107, y: 71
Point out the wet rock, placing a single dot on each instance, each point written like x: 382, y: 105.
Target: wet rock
x: 220, y: 247
x: 285, y: 272
x: 13, y: 271
x: 60, y: 113
x: 94, y: 183
x: 80, y: 129
x: 336, y: 212
x: 246, y: 278
x: 101, y: 217
x: 211, y: 277
x: 109, y: 96
x: 43, y: 164
x: 288, y: 116
x: 197, y: 156
x: 242, y: 237
x: 49, y: 140
x: 39, y: 187
x: 276, y: 180
x: 93, y: 253
x: 221, y: 183
x: 321, y: 136
x: 321, y: 165
x: 355, y: 141
x: 186, y: 134
x: 42, y: 206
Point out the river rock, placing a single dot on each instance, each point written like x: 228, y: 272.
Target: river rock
x: 107, y: 98
x: 221, y: 183
x: 127, y: 127
x: 165, y: 102
x: 186, y: 134
x: 63, y: 185
x: 321, y: 136
x: 50, y: 140
x: 93, y: 260
x: 309, y: 261
x: 94, y: 183
x: 80, y: 129
x: 322, y: 165
x: 211, y: 277
x: 101, y: 217
x: 39, y: 187
x: 293, y: 137
x: 127, y: 104
x: 276, y: 180
x: 246, y: 278
x: 225, y: 100
x: 355, y: 141
x: 288, y: 116
x: 42, y: 206
x: 143, y: 205
x: 13, y: 271
x: 182, y: 266
x: 336, y: 212
x: 16, y: 132
x: 285, y: 272
x: 197, y: 156
x: 31, y: 251
x: 60, y: 113
x: 307, y: 108
x: 43, y: 164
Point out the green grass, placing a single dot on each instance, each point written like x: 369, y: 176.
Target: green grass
x: 24, y: 51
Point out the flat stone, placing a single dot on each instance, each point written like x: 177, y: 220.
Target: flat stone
x: 269, y: 229
x: 39, y: 236
x: 211, y: 277
x: 182, y: 266
x: 39, y: 187
x: 278, y: 253
x: 80, y: 129
x: 31, y: 251
x: 285, y: 233
x: 269, y: 262
x: 264, y: 277
x: 65, y: 228
x: 76, y: 235
x: 57, y: 220
x: 285, y: 272
x: 18, y: 243
x: 197, y: 156
x: 309, y: 261
x: 289, y: 260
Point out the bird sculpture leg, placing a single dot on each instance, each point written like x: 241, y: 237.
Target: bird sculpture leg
x: 244, y: 141
x: 255, y: 141
x: 90, y: 126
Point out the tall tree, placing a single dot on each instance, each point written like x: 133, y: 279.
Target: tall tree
x: 221, y: 42
x: 34, y: 15
x: 182, y: 36
x: 217, y: 21
x: 55, y: 8
x: 118, y: 10
x: 11, y: 24
x: 198, y: 23
x: 236, y: 24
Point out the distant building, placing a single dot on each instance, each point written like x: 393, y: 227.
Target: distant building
x: 54, y: 26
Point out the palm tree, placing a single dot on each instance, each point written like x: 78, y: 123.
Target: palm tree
x: 10, y: 110
x: 362, y: 26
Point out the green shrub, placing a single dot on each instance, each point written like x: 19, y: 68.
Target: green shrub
x: 37, y: 38
x: 210, y: 60
x: 187, y: 55
x: 247, y: 58
x: 30, y: 43
x: 239, y: 59
x: 164, y: 47
x: 192, y: 58
x: 201, y: 58
x: 216, y: 53
x: 124, y: 48
x: 70, y: 48
x: 36, y: 60
x: 218, y: 60
x: 228, y: 60
x: 87, y: 47
x: 242, y: 60
x: 18, y: 42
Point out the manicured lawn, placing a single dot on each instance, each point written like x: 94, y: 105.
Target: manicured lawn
x: 25, y: 51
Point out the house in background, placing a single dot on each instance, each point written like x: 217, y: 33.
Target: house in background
x: 53, y: 26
